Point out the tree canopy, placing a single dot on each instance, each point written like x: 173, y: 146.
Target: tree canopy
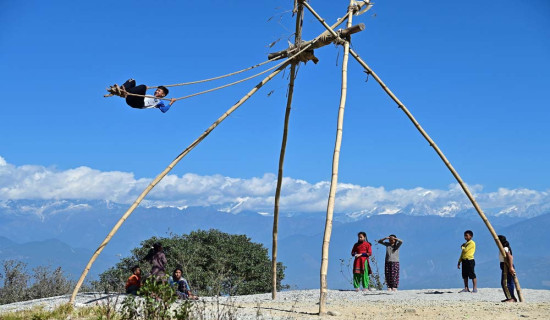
x: 213, y: 262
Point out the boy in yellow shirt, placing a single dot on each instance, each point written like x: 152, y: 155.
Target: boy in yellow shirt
x: 468, y: 262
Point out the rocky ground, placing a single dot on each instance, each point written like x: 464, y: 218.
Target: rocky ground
x: 303, y: 304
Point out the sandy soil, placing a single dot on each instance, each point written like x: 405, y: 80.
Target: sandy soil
x: 303, y: 304
x: 409, y: 304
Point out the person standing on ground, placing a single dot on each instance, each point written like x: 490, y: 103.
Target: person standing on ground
x: 391, y: 267
x: 508, y: 271
x: 468, y: 262
x: 361, y: 250
x: 157, y: 258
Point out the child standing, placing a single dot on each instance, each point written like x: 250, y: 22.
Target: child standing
x: 468, y: 262
x: 157, y: 258
x: 508, y: 271
x: 134, y: 281
x: 362, y: 250
x: 391, y: 267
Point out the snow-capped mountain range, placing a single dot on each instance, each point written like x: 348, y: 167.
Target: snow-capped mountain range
x: 66, y: 232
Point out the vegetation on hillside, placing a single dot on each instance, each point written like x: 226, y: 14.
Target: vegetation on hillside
x: 19, y: 285
x: 213, y: 263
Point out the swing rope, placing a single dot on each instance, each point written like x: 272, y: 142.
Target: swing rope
x: 121, y: 91
x: 215, y: 78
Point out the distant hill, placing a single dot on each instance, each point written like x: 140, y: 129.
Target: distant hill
x: 66, y: 233
x: 50, y: 252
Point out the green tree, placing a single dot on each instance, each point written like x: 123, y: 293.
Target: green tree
x: 48, y: 283
x: 213, y: 262
x: 15, y: 282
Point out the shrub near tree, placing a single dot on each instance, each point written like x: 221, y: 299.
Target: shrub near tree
x: 213, y: 262
x: 43, y: 282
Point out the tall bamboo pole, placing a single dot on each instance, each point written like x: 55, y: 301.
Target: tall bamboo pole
x: 444, y: 158
x: 334, y: 179
x: 432, y: 144
x: 165, y: 172
x: 279, y: 183
x: 297, y: 40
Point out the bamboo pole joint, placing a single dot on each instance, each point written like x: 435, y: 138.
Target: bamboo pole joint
x: 338, y: 37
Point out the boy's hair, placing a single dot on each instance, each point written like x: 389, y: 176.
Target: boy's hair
x: 363, y: 233
x: 163, y: 88
x: 393, y: 235
x: 134, y: 268
x: 176, y: 269
x: 469, y: 232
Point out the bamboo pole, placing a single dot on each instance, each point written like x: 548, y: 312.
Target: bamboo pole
x: 165, y: 172
x: 430, y: 141
x: 279, y: 184
x: 334, y: 179
x: 297, y: 40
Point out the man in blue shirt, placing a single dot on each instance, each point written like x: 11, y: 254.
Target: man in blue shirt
x: 145, y: 102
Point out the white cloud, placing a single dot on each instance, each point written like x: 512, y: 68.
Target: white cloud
x: 257, y: 194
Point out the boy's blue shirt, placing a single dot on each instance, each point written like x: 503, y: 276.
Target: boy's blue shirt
x: 162, y: 107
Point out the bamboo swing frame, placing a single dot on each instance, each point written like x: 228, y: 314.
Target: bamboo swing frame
x: 299, y: 48
x: 299, y: 11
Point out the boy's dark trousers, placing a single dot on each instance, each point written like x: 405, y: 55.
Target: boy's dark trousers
x: 133, y: 101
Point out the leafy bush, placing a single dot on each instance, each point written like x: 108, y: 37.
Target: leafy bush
x: 213, y: 263
x: 15, y: 282
x: 44, y: 282
x: 155, y: 303
x: 48, y: 283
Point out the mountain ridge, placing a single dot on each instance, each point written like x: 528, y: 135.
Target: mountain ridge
x: 428, y: 255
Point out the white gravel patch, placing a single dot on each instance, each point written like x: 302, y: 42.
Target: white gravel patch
x: 303, y: 304
x: 409, y: 296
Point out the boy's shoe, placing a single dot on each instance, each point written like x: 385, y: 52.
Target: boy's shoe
x: 464, y: 290
x: 474, y: 291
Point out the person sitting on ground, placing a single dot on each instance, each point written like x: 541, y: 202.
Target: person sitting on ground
x: 134, y: 281
x: 139, y: 102
x: 180, y: 284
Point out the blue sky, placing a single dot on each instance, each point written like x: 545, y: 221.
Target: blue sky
x: 475, y: 75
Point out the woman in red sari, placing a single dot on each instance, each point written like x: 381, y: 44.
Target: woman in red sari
x: 362, y: 250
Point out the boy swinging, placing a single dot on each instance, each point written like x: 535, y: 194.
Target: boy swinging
x: 140, y: 102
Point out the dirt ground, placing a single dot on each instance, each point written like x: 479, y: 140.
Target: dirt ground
x: 391, y: 310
